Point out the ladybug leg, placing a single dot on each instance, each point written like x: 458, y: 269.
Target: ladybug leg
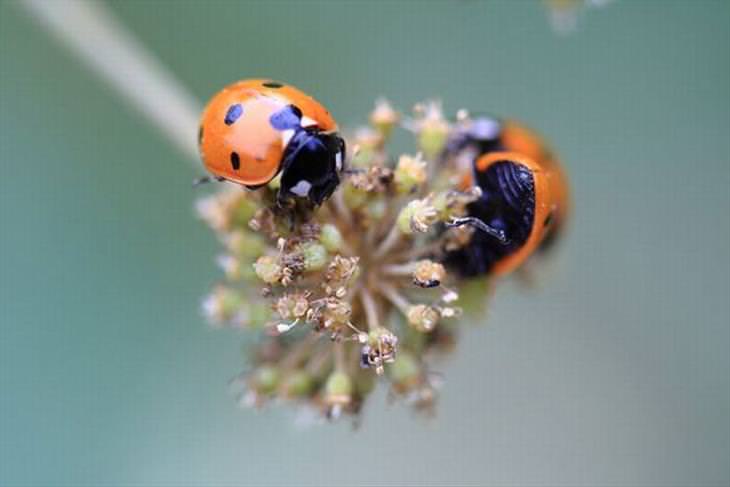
x: 207, y: 179
x: 480, y: 225
x: 287, y: 207
x: 284, y: 201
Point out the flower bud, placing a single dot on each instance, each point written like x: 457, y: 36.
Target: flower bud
x: 433, y: 133
x: 231, y: 266
x: 221, y: 305
x: 405, y: 373
x: 245, y: 209
x: 267, y: 268
x: 417, y: 216
x: 298, y: 384
x: 265, y: 380
x: 254, y: 316
x: 422, y: 317
x: 314, y: 254
x: 410, y: 173
x: 381, y: 348
x: 331, y: 237
x: 354, y: 197
x: 336, y: 313
x: 384, y: 118
x: 338, y: 389
x: 367, y: 143
x: 244, y: 244
x: 428, y: 274
x: 292, y: 306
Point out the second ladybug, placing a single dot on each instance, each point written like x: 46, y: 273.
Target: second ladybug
x: 255, y: 129
x: 524, y: 200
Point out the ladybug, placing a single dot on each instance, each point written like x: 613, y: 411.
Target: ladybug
x: 524, y: 198
x: 255, y: 129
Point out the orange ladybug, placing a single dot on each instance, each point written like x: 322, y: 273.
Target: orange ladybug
x: 255, y: 129
x: 524, y: 199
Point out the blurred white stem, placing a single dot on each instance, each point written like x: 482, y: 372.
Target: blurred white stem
x: 91, y: 31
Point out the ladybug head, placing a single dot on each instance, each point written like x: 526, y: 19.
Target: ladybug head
x: 311, y: 165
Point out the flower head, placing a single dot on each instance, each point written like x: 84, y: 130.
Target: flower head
x: 354, y: 291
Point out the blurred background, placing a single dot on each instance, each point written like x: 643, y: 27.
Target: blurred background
x: 615, y: 372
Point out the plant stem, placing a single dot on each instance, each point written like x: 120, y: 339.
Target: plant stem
x: 393, y: 237
x: 400, y: 269
x: 91, y: 31
x: 395, y: 297
x: 371, y: 310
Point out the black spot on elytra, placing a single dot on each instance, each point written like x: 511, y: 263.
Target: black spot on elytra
x: 235, y: 161
x: 272, y: 84
x: 288, y: 117
x: 200, y: 135
x: 234, y: 112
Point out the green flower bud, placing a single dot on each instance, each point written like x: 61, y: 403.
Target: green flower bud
x: 409, y: 174
x: 331, y: 238
x: 268, y: 269
x: 442, y: 203
x: 245, y: 244
x: 338, y: 389
x: 354, y: 198
x: 384, y: 118
x: 298, y: 384
x: 315, y: 256
x: 244, y: 211
x: 405, y: 371
x: 259, y: 314
x: 368, y: 143
x: 265, y: 380
x: 417, y: 216
x: 222, y: 304
x: 432, y: 139
x: 405, y: 216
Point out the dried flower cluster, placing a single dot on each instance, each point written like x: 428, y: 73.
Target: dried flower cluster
x: 354, y: 290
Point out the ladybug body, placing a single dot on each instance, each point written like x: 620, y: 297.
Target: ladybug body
x: 524, y: 194
x: 255, y: 129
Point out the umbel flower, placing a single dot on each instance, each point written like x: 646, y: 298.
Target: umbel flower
x: 355, y: 293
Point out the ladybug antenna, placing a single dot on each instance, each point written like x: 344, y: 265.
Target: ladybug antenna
x: 479, y: 225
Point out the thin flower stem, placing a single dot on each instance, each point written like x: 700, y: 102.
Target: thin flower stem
x: 405, y: 269
x: 338, y: 203
x: 393, y: 237
x: 320, y: 358
x: 371, y: 309
x: 300, y: 350
x: 91, y: 31
x: 340, y: 362
x: 392, y: 294
x: 346, y: 249
x: 429, y: 249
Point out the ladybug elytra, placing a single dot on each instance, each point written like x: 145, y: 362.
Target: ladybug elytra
x: 255, y: 129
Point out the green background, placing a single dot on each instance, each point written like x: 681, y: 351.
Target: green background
x: 616, y: 372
